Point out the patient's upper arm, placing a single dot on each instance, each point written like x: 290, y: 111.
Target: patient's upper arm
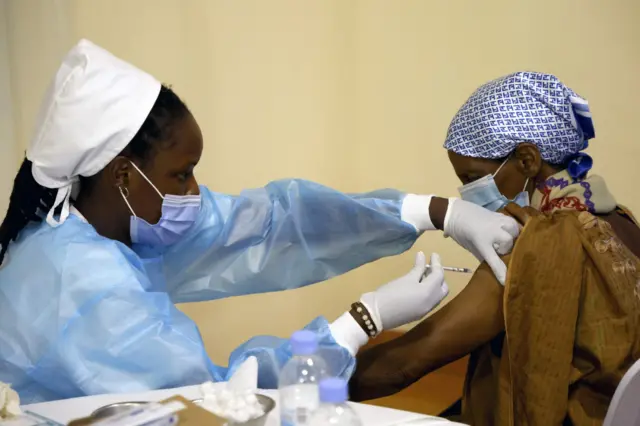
x: 471, y: 319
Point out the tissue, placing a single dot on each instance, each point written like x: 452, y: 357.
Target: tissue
x: 9, y: 402
x: 237, y: 400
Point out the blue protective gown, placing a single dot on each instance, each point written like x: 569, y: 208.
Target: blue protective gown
x: 81, y: 314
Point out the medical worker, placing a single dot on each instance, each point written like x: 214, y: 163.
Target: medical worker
x: 107, y: 229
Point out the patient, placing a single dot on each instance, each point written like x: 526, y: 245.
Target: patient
x: 550, y: 347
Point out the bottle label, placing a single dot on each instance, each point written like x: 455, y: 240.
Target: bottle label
x: 298, y: 417
x: 298, y: 403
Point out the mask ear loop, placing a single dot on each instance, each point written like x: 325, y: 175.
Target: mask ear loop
x: 526, y: 182
x: 147, y: 179
x: 125, y: 195
x: 501, y: 166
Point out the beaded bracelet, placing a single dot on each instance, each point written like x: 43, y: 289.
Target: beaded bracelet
x: 361, y: 314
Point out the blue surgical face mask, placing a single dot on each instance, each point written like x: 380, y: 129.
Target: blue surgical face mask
x: 179, y: 213
x: 484, y: 192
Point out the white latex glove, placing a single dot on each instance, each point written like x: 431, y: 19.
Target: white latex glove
x: 399, y: 302
x: 484, y: 233
x: 408, y: 298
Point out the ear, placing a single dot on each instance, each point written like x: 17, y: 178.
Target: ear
x: 119, y: 172
x: 529, y: 160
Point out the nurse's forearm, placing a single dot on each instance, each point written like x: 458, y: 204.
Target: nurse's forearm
x: 424, y: 212
x: 438, y: 211
x: 348, y: 333
x: 240, y: 244
x: 353, y: 335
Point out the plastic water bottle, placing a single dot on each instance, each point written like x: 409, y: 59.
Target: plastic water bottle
x: 334, y: 409
x: 299, y: 380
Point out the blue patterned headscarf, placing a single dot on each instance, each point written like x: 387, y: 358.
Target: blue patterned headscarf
x: 525, y: 107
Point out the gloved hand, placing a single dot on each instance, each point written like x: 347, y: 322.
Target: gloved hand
x: 408, y: 298
x: 484, y: 233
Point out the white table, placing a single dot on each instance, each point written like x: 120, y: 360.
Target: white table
x: 67, y: 410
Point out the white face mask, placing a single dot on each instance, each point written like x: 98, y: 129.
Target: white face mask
x: 485, y: 193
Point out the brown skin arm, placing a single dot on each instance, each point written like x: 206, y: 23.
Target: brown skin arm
x: 473, y: 318
x: 470, y: 320
x: 438, y: 211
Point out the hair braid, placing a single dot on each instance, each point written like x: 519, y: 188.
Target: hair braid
x: 28, y: 202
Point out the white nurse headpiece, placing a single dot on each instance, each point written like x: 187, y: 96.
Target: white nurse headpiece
x: 91, y: 111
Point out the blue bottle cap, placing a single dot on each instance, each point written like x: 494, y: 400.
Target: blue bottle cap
x: 333, y: 391
x: 304, y: 343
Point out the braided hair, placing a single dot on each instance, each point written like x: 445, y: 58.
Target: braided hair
x: 30, y: 202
